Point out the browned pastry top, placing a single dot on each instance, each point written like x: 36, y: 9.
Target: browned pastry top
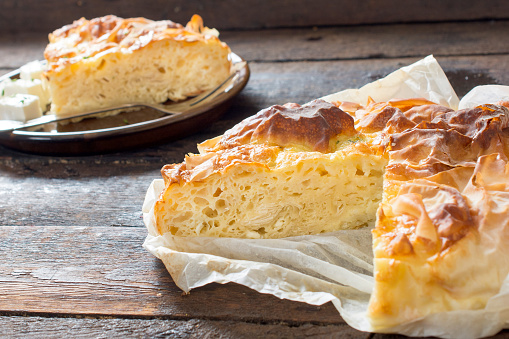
x: 87, y: 38
x: 197, y: 167
x: 312, y: 126
x: 451, y: 139
x: 433, y: 153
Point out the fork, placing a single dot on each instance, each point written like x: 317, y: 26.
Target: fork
x: 169, y: 109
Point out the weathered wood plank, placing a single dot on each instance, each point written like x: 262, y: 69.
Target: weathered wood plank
x: 42, y: 327
x: 113, y: 201
x: 103, y: 274
x: 105, y: 271
x: 329, y: 43
x: 501, y: 335
x: 252, y: 14
x: 18, y: 49
x: 369, y: 42
x: 30, y: 327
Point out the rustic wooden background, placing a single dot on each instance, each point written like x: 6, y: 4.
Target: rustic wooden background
x: 70, y: 227
x: 45, y: 16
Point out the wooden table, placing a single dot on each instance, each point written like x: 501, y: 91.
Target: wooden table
x: 71, y: 231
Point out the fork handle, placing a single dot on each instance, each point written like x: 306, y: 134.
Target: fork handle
x: 51, y: 118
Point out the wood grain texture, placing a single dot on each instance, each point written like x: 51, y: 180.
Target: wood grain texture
x: 42, y: 327
x: 372, y: 42
x: 90, y: 282
x: 324, y: 44
x: 30, y: 327
x: 105, y: 271
x: 34, y: 15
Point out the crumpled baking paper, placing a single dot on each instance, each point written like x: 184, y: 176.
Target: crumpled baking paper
x: 423, y: 79
x: 336, y: 266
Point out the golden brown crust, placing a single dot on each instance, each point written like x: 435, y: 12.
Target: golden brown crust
x: 440, y: 243
x: 198, y: 167
x: 453, y: 138
x: 420, y: 141
x: 376, y: 115
x: 428, y: 112
x: 442, y: 214
x: 438, y: 229
x: 311, y: 126
x: 87, y: 38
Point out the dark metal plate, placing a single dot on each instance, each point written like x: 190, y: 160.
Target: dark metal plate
x: 124, y: 131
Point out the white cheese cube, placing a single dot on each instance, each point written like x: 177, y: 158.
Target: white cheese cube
x: 32, y: 70
x: 20, y: 107
x: 32, y: 87
x: 2, y: 86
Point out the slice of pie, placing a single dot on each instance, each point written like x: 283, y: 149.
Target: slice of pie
x: 287, y: 171
x: 434, y: 181
x: 110, y: 61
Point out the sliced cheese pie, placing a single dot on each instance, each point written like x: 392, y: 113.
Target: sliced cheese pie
x: 433, y: 181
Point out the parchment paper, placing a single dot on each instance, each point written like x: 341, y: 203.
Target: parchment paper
x: 336, y: 266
